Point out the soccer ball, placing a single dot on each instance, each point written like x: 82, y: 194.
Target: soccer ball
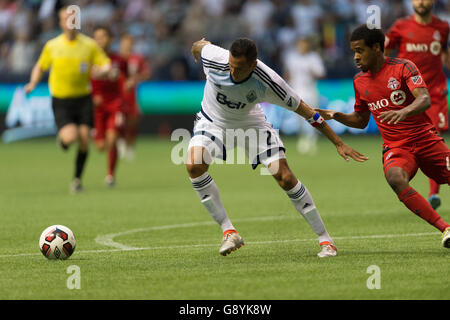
x: 57, y: 242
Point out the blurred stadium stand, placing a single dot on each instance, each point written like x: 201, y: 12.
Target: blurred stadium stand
x: 164, y: 30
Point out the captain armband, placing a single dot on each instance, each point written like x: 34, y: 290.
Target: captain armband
x: 316, y: 120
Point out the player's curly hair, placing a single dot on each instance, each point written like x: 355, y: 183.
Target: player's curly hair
x: 244, y: 47
x: 370, y: 36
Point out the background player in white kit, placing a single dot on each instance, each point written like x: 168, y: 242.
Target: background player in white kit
x: 302, y: 68
x: 236, y: 83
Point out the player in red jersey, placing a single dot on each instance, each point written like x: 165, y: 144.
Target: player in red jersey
x: 394, y: 92
x: 422, y: 38
x: 138, y: 71
x: 108, y: 103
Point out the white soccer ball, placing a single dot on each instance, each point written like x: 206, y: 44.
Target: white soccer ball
x: 57, y: 242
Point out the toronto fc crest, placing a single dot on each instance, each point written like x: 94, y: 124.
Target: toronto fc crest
x: 393, y: 83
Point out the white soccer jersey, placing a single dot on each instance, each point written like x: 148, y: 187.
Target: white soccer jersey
x: 304, y: 70
x: 236, y: 105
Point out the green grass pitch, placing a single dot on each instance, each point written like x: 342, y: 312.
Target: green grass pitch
x: 154, y: 210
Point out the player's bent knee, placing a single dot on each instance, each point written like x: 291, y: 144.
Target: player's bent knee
x: 68, y: 139
x: 397, y: 179
x: 196, y: 170
x: 100, y: 145
x: 68, y: 134
x: 285, y: 178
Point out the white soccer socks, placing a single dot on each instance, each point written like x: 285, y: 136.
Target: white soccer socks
x: 303, y: 202
x: 208, y: 192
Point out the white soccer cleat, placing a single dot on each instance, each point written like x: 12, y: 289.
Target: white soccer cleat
x: 121, y: 147
x: 130, y: 154
x: 75, y: 186
x: 231, y: 242
x: 110, y: 181
x: 328, y: 250
x: 446, y: 238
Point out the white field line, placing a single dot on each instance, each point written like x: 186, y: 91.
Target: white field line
x: 107, y: 239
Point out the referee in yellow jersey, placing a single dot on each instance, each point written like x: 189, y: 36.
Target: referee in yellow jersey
x: 72, y: 58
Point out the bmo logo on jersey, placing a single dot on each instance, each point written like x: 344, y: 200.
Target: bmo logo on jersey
x: 383, y: 103
x: 397, y: 97
x: 435, y: 47
x: 222, y: 99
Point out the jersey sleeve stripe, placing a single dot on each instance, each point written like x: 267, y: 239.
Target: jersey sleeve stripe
x: 411, y: 68
x: 270, y: 84
x: 270, y: 79
x: 359, y: 74
x: 394, y: 61
x: 408, y: 67
x: 273, y: 85
x: 215, y: 67
x: 215, y: 62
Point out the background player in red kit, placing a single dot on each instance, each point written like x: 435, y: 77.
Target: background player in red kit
x: 138, y: 71
x: 108, y: 103
x: 393, y: 91
x: 422, y: 38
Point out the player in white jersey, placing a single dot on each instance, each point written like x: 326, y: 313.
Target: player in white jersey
x: 302, y: 68
x: 236, y: 83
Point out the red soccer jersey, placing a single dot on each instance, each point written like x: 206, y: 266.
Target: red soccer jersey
x: 111, y: 90
x: 136, y: 64
x: 391, y: 89
x: 422, y: 44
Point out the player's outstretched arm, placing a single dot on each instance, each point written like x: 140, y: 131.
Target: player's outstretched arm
x: 446, y: 58
x: 105, y: 71
x: 358, y: 120
x: 419, y: 105
x: 197, y: 47
x: 36, y: 76
x: 318, y: 122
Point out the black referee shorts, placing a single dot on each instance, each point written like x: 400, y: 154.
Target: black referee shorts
x: 73, y: 110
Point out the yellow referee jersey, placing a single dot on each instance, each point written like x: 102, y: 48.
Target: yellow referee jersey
x: 70, y: 64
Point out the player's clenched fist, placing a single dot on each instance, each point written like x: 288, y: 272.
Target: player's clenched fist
x: 326, y: 114
x: 197, y: 47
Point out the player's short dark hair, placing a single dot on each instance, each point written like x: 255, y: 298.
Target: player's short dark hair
x: 370, y: 36
x: 244, y: 47
x: 104, y: 28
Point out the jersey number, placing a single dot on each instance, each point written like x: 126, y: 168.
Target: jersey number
x: 269, y: 135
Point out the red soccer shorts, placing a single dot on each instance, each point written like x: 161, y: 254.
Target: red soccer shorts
x: 131, y: 108
x: 433, y: 159
x: 107, y: 117
x: 438, y: 112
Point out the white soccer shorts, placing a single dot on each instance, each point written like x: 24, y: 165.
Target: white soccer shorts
x: 261, y: 143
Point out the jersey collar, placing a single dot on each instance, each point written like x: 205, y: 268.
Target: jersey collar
x: 433, y: 19
x: 249, y: 76
x: 70, y: 41
x: 382, y: 67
